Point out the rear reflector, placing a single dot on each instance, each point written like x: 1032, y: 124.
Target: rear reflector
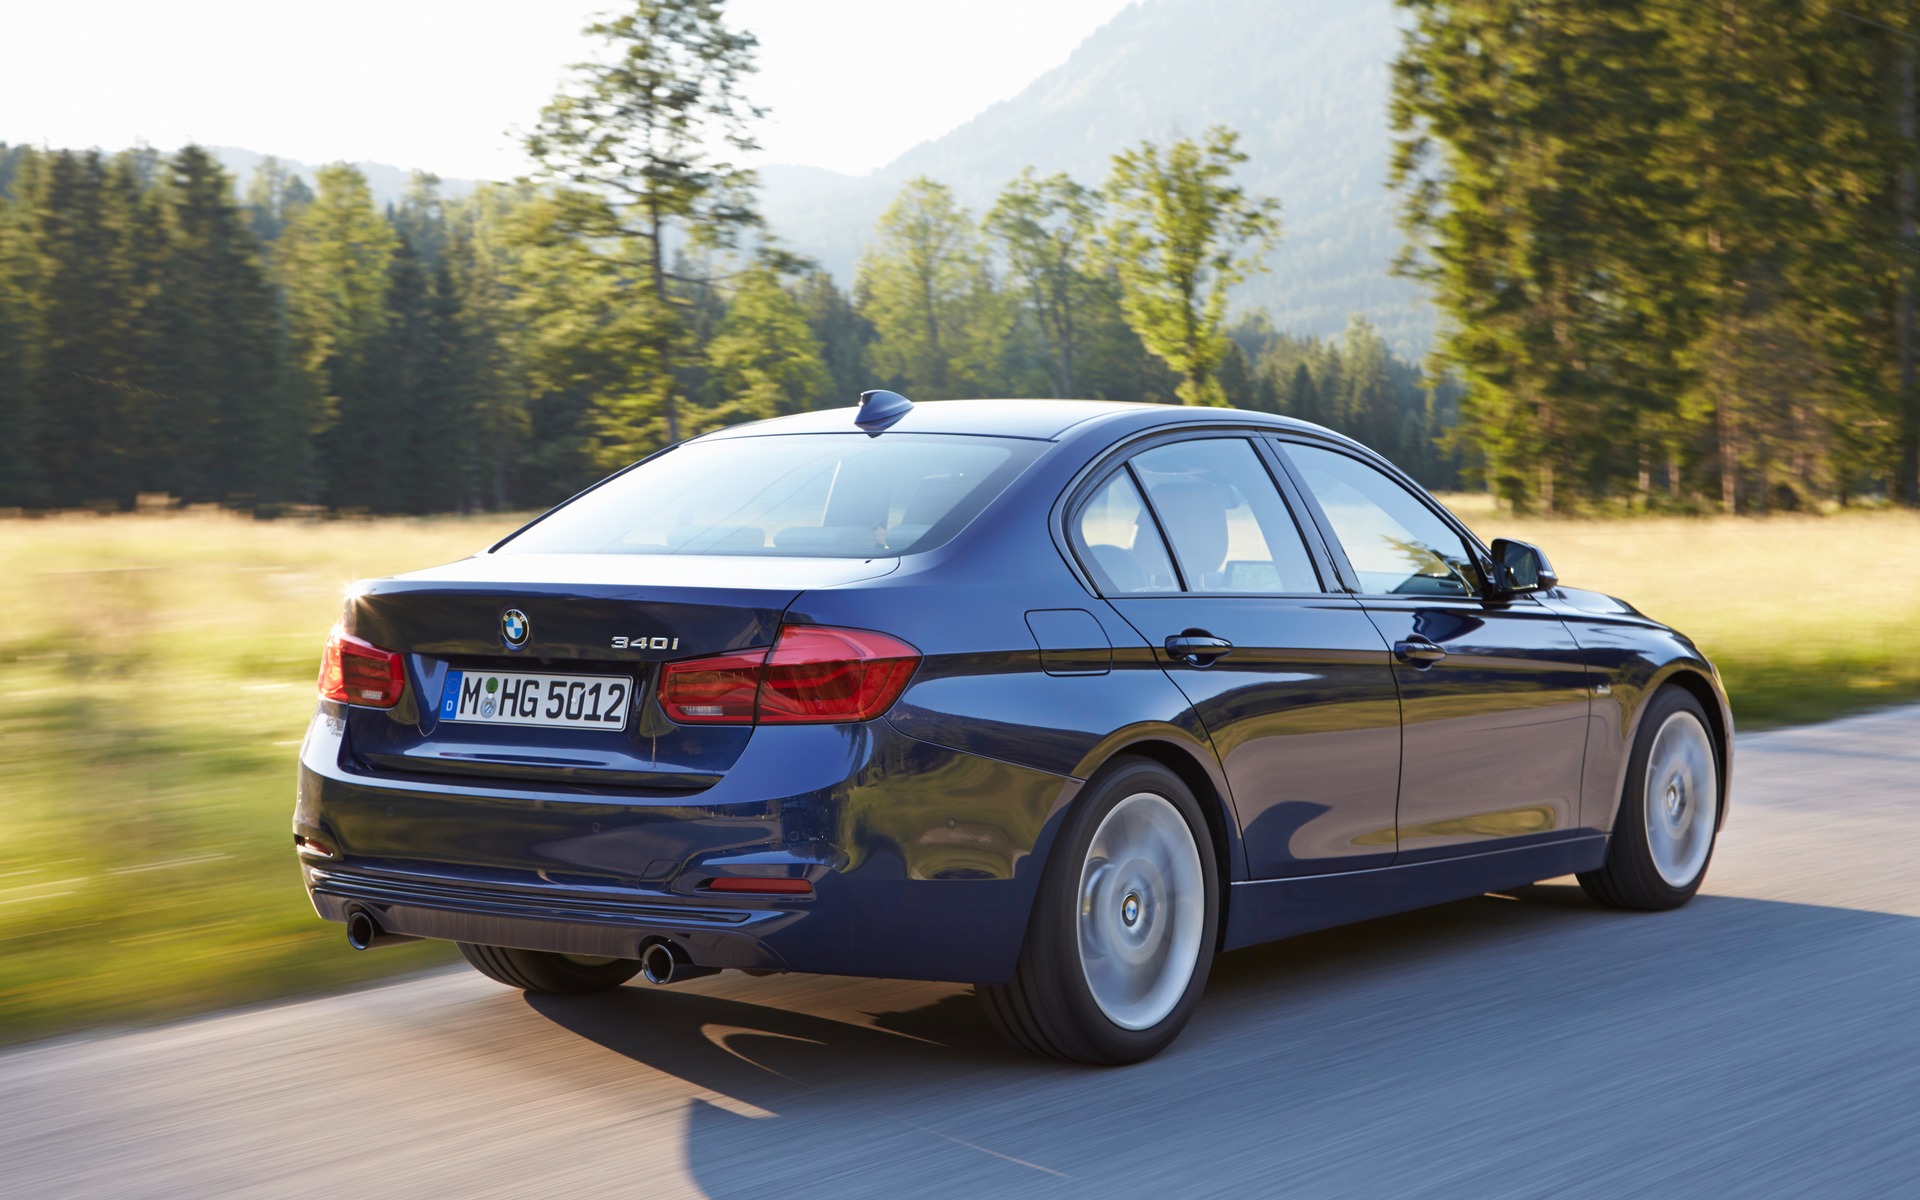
x: 357, y: 672
x: 813, y: 675
x: 764, y: 887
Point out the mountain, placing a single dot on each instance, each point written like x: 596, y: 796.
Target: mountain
x: 1304, y: 81
x: 388, y: 184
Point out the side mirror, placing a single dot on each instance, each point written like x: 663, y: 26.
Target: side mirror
x: 1520, y: 567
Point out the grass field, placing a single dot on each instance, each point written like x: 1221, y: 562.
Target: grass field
x: 157, y: 671
x: 1807, y: 617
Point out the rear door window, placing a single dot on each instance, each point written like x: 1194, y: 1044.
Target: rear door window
x: 1119, y: 542
x: 1229, y: 527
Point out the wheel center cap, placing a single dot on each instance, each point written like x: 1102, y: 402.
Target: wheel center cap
x: 1674, y: 800
x: 1130, y: 909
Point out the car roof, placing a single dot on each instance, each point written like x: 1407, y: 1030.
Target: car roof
x: 1044, y: 420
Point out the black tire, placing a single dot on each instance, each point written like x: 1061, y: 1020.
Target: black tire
x: 1630, y: 878
x: 1049, y: 1008
x: 552, y: 974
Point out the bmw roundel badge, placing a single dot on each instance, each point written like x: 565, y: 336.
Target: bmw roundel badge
x: 515, y: 628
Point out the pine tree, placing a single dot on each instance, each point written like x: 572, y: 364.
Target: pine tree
x: 274, y: 193
x: 20, y: 478
x: 843, y: 335
x: 333, y: 263
x: 481, y: 264
x: 221, y: 420
x: 77, y: 220
x: 646, y: 125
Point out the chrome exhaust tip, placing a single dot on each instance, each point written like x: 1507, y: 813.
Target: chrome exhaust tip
x: 664, y: 962
x: 364, y: 933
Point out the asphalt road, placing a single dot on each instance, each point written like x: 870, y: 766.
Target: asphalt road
x: 1763, y: 1041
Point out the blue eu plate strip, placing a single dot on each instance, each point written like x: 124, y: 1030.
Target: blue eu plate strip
x: 450, y: 698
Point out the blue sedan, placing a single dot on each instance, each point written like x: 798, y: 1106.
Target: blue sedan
x: 1056, y: 698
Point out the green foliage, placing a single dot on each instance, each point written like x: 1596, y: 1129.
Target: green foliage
x: 764, y: 358
x: 1180, y: 234
x: 506, y: 348
x: 591, y: 339
x: 1666, y: 238
x: 220, y: 426
x: 1045, y: 229
x: 923, y: 283
x: 643, y: 126
x: 332, y: 264
x: 843, y: 335
x: 1356, y: 385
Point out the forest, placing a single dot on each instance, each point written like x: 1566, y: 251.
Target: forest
x: 160, y: 335
x: 1672, y: 248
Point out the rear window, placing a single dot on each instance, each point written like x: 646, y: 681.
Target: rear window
x: 799, y: 495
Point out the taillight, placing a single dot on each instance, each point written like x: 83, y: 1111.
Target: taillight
x: 357, y: 672
x: 712, y: 691
x: 819, y: 674
x: 812, y: 675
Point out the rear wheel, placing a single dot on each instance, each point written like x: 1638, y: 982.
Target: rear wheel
x: 1123, y: 930
x: 542, y: 971
x: 1664, y: 833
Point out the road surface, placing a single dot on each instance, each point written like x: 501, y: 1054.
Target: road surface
x: 1764, y: 1041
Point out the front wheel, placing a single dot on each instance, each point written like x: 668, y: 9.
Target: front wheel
x: 553, y: 974
x: 1123, y: 929
x: 1669, y: 814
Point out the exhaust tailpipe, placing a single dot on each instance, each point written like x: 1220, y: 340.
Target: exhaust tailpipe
x: 664, y: 962
x: 364, y: 933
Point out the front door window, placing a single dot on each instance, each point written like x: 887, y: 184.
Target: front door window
x: 1397, y: 545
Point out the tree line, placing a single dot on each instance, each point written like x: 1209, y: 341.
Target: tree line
x: 1673, y: 242
x: 161, y: 332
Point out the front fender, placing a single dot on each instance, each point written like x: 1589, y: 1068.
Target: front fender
x: 1630, y: 658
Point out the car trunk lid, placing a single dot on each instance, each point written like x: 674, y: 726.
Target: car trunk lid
x: 611, y: 619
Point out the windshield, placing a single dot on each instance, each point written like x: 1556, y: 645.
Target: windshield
x: 797, y: 495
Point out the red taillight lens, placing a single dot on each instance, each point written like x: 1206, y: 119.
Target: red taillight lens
x: 712, y: 691
x: 819, y: 674
x: 357, y: 672
x: 813, y: 675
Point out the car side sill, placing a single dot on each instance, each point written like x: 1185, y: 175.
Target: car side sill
x: 1261, y: 910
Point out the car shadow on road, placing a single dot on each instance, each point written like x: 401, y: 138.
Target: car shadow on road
x: 1513, y: 998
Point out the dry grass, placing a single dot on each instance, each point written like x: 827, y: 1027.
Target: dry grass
x: 156, y: 672
x: 1807, y: 617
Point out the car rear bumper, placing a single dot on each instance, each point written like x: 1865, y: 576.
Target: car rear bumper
x: 924, y: 860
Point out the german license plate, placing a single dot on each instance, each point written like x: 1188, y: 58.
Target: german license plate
x: 555, y: 701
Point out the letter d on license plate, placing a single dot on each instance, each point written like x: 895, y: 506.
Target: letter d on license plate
x: 557, y: 701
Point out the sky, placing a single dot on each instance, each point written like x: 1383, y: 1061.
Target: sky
x: 439, y: 84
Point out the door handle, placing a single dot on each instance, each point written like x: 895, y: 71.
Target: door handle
x: 1197, y: 648
x: 1419, y: 651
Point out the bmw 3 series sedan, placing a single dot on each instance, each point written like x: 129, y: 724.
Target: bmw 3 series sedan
x: 1058, y: 699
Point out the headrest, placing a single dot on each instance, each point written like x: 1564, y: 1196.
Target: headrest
x: 1195, y: 514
